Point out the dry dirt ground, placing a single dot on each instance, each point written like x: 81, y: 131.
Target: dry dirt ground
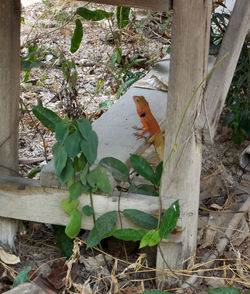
x: 127, y: 269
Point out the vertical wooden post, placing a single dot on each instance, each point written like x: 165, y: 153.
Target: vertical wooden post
x: 9, y: 96
x: 181, y: 178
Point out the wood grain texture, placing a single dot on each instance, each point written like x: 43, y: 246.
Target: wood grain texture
x: 188, y: 65
x: 25, y: 199
x: 9, y: 84
x: 156, y: 5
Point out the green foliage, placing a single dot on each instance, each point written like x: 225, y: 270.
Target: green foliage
x: 77, y: 36
x: 224, y: 290
x: 65, y: 243
x: 104, y: 225
x: 122, y: 16
x: 94, y: 15
x: 74, y: 154
x: 237, y: 103
x: 22, y: 277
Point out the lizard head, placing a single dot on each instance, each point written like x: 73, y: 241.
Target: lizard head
x: 140, y: 101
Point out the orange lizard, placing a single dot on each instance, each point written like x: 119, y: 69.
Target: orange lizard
x: 149, y: 124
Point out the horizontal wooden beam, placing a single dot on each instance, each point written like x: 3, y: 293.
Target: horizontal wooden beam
x: 156, y: 5
x: 25, y: 199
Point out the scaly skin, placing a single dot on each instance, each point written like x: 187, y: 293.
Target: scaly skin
x: 149, y: 124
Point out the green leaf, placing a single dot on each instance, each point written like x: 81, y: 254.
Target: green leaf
x: 60, y: 157
x: 141, y: 219
x: 89, y: 147
x: 84, y: 127
x: 83, y: 175
x: 34, y: 171
x: 68, y: 205
x: 47, y: 117
x: 27, y: 65
x: 122, y: 16
x: 103, y: 183
x: 143, y: 189
x: 88, y: 210
x: 92, y: 177
x: 72, y: 143
x: 143, y: 168
x: 117, y: 168
x: 152, y: 238
x: 129, y: 234
x: 158, y: 173
x: 77, y: 36
x: 169, y: 219
x: 75, y: 191
x: 62, y: 131
x: 104, y: 225
x: 105, y: 104
x: 95, y: 15
x: 65, y: 243
x: 74, y: 225
x: 67, y: 173
x: 80, y: 163
x: 22, y: 277
x: 224, y: 290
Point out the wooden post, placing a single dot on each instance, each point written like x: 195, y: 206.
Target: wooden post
x: 181, y: 178
x: 219, y: 83
x: 9, y: 97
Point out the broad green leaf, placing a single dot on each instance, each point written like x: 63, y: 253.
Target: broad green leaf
x: 169, y: 219
x: 89, y: 147
x: 158, y: 173
x: 87, y: 210
x: 143, y: 189
x: 141, y: 219
x: 129, y: 234
x: 152, y: 238
x: 224, y: 290
x: 27, y: 65
x: 83, y: 175
x: 104, y: 225
x: 47, y: 117
x: 77, y: 36
x: 68, y: 205
x: 95, y: 15
x: 80, y: 163
x: 60, y: 157
x: 105, y: 104
x: 75, y: 190
x: 142, y: 167
x: 84, y: 127
x: 92, y: 176
x: 22, y: 277
x: 65, y: 243
x: 117, y: 168
x: 72, y: 144
x: 34, y: 171
x: 62, y: 131
x: 103, y: 183
x: 74, y: 225
x: 122, y: 16
x: 67, y: 173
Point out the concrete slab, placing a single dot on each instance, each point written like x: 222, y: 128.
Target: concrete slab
x: 115, y: 127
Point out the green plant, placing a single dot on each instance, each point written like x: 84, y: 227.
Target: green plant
x: 237, y: 102
x: 75, y: 154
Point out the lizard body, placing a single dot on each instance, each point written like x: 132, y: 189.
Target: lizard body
x: 149, y: 124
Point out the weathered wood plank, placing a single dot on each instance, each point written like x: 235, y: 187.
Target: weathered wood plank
x: 9, y: 97
x: 188, y: 65
x: 219, y: 83
x: 157, y: 5
x: 9, y: 84
x: 25, y: 200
